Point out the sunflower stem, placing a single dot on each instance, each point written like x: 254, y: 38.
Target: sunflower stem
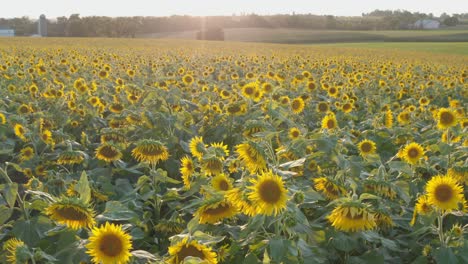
x: 440, y: 230
x: 449, y: 148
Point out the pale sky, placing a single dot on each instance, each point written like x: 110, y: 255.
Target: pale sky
x: 55, y: 8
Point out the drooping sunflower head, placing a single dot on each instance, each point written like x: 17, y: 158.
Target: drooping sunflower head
x: 444, y: 193
x: 459, y: 173
x: 367, y: 147
x: 388, y: 118
x: 109, y: 244
x: 383, y: 220
x: 251, y: 156
x: 213, y: 213
x: 151, y: 151
x: 108, y: 152
x: 352, y: 216
x: 193, y: 248
x: 70, y: 157
x: 268, y: 193
x: 446, y: 118
x: 329, y: 188
x: 411, y: 153
x: 71, y: 212
x: 212, y: 165
x: 221, y: 183
x: 197, y: 147
x: 2, y: 119
x: 12, y: 247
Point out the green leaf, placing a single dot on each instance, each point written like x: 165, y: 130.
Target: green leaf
x: 116, y: 211
x: 368, y: 196
x: 344, y: 242
x: 83, y: 189
x: 277, y: 249
x: 251, y: 259
x: 10, y: 193
x: 141, y: 254
x: 5, y: 214
x: 445, y: 255
x: 31, y: 231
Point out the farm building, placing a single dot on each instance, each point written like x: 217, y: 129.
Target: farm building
x: 6, y: 32
x: 42, y: 26
x: 427, y: 24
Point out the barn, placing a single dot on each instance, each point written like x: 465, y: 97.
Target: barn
x: 6, y: 32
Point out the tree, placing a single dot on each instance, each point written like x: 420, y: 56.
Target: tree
x: 451, y: 21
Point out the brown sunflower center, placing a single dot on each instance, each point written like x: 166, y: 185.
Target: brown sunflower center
x: 218, y: 210
x: 71, y: 213
x: 443, y: 193
x: 111, y: 245
x: 413, y: 152
x: 296, y: 104
x: 152, y: 151
x: 331, y: 189
x: 366, y: 147
x: 191, y: 251
x: 269, y: 191
x: 249, y: 90
x: 109, y: 152
x: 323, y: 107
x: 330, y: 124
x: 295, y: 134
x: 446, y: 118
x: 224, y: 185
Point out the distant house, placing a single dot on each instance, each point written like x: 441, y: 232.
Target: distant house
x: 427, y: 24
x: 6, y: 32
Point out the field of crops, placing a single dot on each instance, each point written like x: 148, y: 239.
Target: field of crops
x: 155, y: 151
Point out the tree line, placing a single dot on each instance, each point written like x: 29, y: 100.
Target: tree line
x: 101, y: 26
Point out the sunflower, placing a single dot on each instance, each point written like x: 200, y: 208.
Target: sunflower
x: 323, y: 107
x: 294, y: 133
x: 352, y: 216
x: 268, y: 194
x: 249, y: 90
x: 184, y: 248
x: 404, y: 118
x: 2, y: 119
x: 383, y: 220
x: 11, y: 247
x: 70, y: 157
x: 188, y: 79
x: 187, y: 168
x: 446, y: 118
x: 297, y: 105
x: 411, y: 153
x: 151, y: 151
x: 26, y: 154
x: 388, y: 118
x: 366, y: 147
x: 347, y: 107
x: 220, y: 149
x: 20, y: 131
x: 46, y: 136
x: 213, y: 213
x: 240, y: 200
x: 108, y: 152
x: 329, y: 121
x: 422, y: 207
x: 24, y: 109
x: 116, y: 108
x: 252, y: 157
x: 212, y: 165
x: 444, y: 192
x: 109, y: 244
x: 197, y: 147
x: 329, y: 188
x: 459, y: 173
x: 221, y: 182
x: 71, y: 212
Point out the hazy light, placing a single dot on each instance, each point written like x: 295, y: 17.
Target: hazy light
x: 55, y: 8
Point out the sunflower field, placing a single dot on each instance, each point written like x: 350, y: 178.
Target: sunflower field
x: 158, y: 151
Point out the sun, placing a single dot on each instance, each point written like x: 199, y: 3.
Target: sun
x: 109, y: 244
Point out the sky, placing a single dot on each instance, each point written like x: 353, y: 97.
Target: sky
x: 55, y: 8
